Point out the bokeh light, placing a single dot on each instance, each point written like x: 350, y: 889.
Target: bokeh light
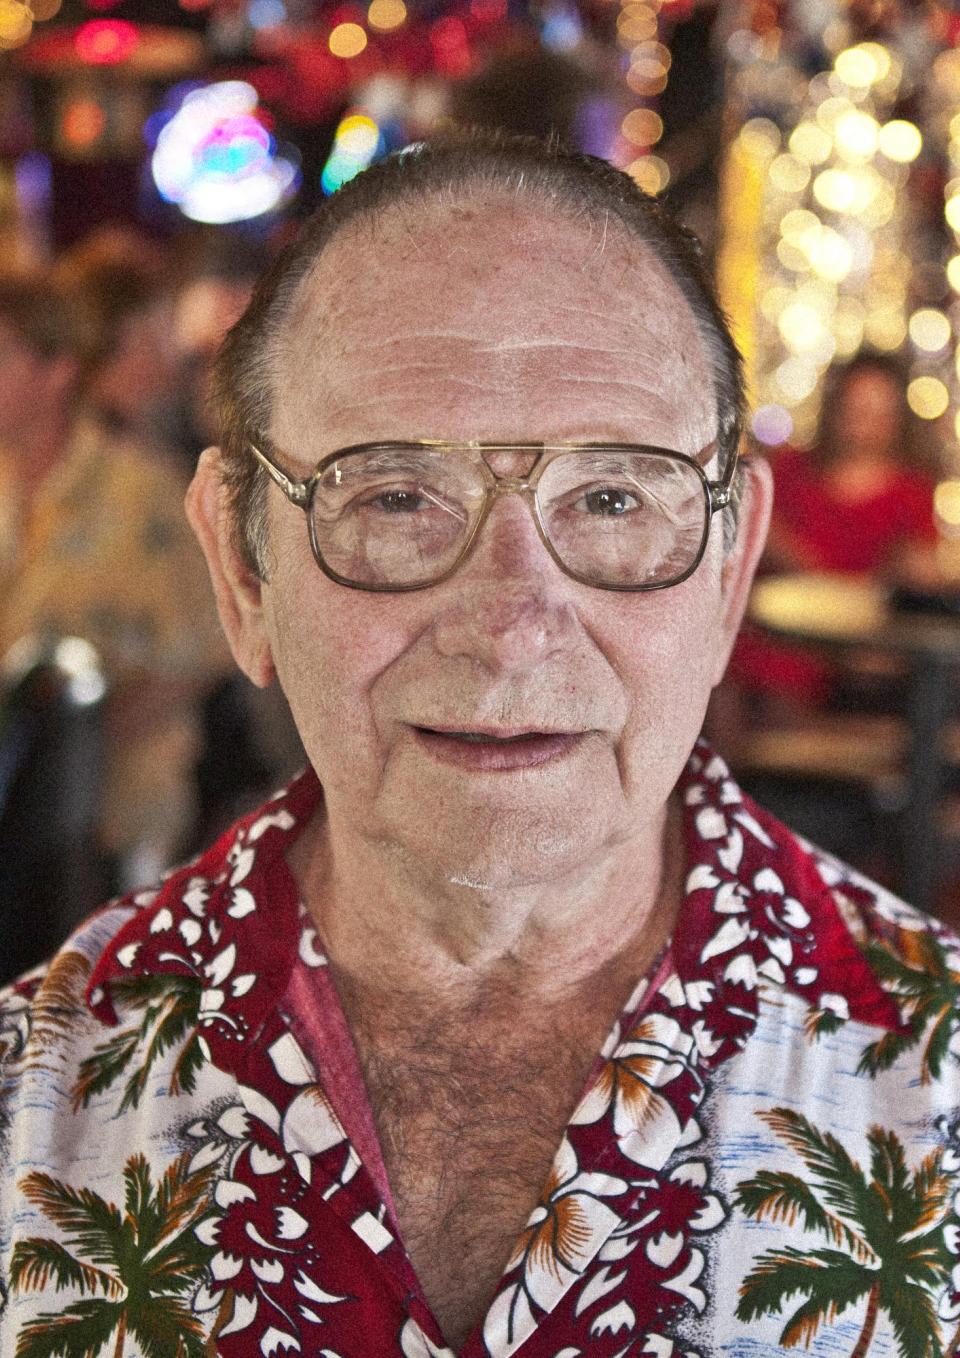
x: 930, y: 329
x: 946, y: 502
x: 216, y: 160
x: 642, y: 126
x: 857, y: 135
x: 858, y: 66
x: 386, y: 15
x: 356, y: 144
x: 16, y: 23
x: 772, y: 424
x: 650, y: 173
x: 900, y: 141
x: 347, y: 40
x: 811, y: 143
x: 928, y: 397
x: 105, y: 42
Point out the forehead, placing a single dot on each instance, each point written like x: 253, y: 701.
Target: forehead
x: 490, y: 319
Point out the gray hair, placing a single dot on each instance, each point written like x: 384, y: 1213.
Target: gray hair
x: 548, y: 174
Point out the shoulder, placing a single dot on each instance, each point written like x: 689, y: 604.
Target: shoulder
x: 135, y: 985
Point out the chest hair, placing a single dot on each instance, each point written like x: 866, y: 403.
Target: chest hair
x: 469, y: 1115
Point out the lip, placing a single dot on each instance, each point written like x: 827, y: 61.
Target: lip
x: 504, y: 750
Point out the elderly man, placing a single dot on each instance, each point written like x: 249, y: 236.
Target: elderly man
x: 511, y: 1027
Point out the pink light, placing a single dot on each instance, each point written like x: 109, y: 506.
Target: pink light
x: 104, y: 42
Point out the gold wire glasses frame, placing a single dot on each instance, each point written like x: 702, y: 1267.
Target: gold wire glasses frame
x: 717, y: 496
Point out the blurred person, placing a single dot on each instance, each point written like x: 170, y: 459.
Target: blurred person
x: 512, y: 1028
x: 105, y: 552
x: 859, y: 502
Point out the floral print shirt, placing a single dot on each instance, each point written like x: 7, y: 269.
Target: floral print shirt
x: 767, y: 1158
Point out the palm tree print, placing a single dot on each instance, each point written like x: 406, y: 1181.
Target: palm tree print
x: 929, y: 992
x: 131, y: 1268
x: 884, y: 1233
x: 171, y: 1006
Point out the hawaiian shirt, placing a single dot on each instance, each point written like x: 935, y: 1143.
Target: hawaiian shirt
x: 767, y: 1156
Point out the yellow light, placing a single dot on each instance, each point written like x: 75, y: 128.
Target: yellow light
x: 885, y: 328
x: 642, y: 126
x: 636, y: 23
x: 796, y: 378
x: 651, y: 174
x: 857, y: 67
x: 385, y: 15
x: 881, y: 58
x: 800, y: 327
x: 953, y: 273
x: 799, y: 225
x: 347, y: 40
x: 646, y: 80
x: 789, y: 175
x: 946, y: 500
x: 927, y: 397
x: 900, y: 141
x: 831, y: 111
x: 358, y: 137
x: 16, y: 22
x: 811, y: 143
x: 952, y: 211
x: 651, y: 57
x: 946, y: 71
x: 760, y: 137
x: 856, y: 135
x: 930, y: 330
x: 830, y: 255
x: 45, y: 9
x: 836, y: 190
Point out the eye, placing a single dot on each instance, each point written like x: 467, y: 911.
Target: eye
x: 608, y: 502
x: 398, y: 501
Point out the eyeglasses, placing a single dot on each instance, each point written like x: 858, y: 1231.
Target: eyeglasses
x: 404, y: 516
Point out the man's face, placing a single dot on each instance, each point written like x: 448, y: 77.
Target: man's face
x: 516, y: 325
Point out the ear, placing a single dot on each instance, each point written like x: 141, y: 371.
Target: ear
x: 238, y: 590
x: 741, y: 562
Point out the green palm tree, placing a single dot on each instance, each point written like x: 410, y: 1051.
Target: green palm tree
x: 884, y: 1238
x: 171, y: 1005
x: 929, y: 991
x: 131, y: 1268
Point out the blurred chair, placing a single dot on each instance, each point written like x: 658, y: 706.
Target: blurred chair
x: 52, y: 692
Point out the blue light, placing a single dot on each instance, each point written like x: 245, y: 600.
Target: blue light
x: 266, y: 13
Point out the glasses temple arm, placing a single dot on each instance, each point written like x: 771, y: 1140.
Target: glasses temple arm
x: 297, y: 491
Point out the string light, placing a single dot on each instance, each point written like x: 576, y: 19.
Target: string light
x: 813, y: 262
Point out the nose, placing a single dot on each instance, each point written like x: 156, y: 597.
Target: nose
x: 509, y: 604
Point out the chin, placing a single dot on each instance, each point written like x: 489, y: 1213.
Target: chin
x: 492, y: 852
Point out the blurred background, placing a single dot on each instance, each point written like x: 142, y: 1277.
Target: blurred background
x: 154, y: 156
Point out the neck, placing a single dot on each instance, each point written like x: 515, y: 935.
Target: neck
x: 388, y: 928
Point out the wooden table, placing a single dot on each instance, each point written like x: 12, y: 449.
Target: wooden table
x: 845, y: 612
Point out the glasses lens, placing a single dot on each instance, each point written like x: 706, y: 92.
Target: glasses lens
x: 395, y: 516
x: 625, y: 518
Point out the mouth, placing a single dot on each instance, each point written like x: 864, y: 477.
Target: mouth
x: 497, y: 751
